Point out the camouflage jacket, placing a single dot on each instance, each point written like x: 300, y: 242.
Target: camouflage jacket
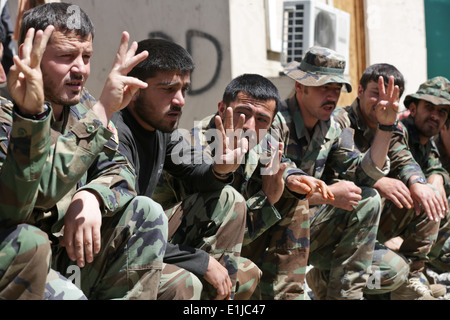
x: 427, y: 156
x: 328, y: 146
x: 248, y: 177
x: 403, y: 165
x: 44, y: 163
x: 444, y: 157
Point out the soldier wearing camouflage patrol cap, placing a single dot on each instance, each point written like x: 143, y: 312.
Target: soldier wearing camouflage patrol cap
x: 319, y: 66
x: 429, y: 109
x: 343, y: 231
x: 397, y: 189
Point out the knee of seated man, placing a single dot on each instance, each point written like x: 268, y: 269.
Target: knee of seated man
x: 27, y: 241
x: 150, y: 209
x: 369, y: 205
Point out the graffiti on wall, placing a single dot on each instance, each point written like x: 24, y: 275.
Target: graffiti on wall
x: 190, y: 36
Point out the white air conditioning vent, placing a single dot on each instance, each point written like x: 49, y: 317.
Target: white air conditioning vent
x: 310, y: 23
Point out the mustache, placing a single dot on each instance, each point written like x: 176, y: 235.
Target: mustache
x: 329, y: 103
x: 74, y: 77
x: 432, y: 120
x: 175, y: 109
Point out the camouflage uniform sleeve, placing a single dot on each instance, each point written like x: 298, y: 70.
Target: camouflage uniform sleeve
x: 261, y: 215
x: 352, y: 165
x: 403, y: 164
x: 434, y: 165
x: 24, y: 149
x: 83, y: 158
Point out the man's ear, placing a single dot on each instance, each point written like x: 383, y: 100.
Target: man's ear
x: 412, y: 108
x: 360, y: 91
x: 221, y: 108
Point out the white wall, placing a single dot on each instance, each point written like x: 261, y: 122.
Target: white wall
x: 236, y: 40
x: 395, y: 34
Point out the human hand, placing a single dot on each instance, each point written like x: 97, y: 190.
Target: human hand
x: 120, y: 88
x: 25, y: 76
x: 388, y: 104
x: 438, y: 182
x: 396, y: 191
x: 233, y: 145
x: 309, y: 185
x: 217, y: 276
x: 426, y: 198
x: 82, y: 222
x: 346, y: 195
x: 272, y: 179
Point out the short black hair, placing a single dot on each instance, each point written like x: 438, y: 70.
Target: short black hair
x: 385, y: 70
x: 164, y: 55
x: 65, y: 17
x: 253, y: 85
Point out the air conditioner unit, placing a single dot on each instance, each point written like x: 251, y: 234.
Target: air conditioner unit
x: 310, y: 23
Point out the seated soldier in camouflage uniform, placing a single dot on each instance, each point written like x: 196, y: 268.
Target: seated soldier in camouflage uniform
x: 429, y: 108
x: 343, y: 231
x: 67, y: 194
x: 277, y: 235
x: 398, y: 189
x: 440, y: 253
x: 212, y: 218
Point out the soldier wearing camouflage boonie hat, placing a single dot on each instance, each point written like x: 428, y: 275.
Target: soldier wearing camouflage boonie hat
x: 434, y: 90
x: 319, y: 66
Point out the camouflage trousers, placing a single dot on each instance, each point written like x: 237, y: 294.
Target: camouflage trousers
x: 24, y: 262
x: 342, y: 245
x: 178, y: 284
x: 129, y: 263
x: 214, y: 222
x: 388, y: 272
x: 281, y: 253
x: 418, y: 233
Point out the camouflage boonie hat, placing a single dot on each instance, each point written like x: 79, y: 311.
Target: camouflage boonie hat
x: 319, y: 66
x: 435, y: 90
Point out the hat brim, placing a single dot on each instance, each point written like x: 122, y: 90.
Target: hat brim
x: 314, y: 79
x: 427, y: 97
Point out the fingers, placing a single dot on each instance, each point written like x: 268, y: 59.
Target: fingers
x: 40, y: 44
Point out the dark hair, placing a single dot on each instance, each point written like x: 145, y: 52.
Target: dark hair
x: 2, y: 33
x: 164, y: 55
x: 254, y: 85
x: 64, y: 17
x: 373, y: 72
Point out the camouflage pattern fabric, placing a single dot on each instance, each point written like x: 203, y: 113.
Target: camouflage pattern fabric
x: 178, y: 284
x: 435, y: 90
x: 24, y: 263
x: 59, y: 287
x: 418, y: 232
x: 129, y: 264
x: 342, y: 242
x: 215, y: 223
x: 440, y: 253
x: 277, y: 237
x: 49, y: 166
x: 319, y: 66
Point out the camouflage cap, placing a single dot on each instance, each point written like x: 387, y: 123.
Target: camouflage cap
x: 319, y: 66
x: 434, y: 90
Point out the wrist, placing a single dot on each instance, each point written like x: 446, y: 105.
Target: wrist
x: 38, y: 116
x: 388, y: 127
